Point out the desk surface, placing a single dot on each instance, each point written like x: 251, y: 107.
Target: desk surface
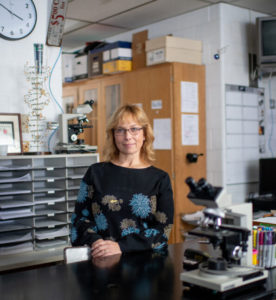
x: 141, y: 276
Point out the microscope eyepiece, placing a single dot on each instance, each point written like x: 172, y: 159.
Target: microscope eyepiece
x: 192, y: 184
x: 206, y: 187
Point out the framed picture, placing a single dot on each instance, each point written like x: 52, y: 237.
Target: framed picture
x: 10, y: 132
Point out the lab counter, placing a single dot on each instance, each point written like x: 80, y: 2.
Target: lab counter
x: 137, y: 276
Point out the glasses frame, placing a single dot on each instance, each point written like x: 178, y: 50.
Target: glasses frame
x: 128, y: 130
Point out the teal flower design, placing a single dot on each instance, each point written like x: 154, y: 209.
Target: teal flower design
x: 73, y: 217
x: 159, y: 246
x: 130, y: 230
x: 101, y: 222
x: 95, y: 229
x: 85, y: 212
x: 140, y: 205
x: 74, y: 234
x: 151, y: 232
x: 83, y: 192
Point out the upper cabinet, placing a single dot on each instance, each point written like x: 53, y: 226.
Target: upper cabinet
x: 166, y: 92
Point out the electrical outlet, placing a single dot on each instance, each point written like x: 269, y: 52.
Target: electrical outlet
x: 272, y: 103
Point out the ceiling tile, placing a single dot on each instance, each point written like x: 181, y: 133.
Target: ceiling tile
x: 153, y: 12
x: 90, y: 33
x: 71, y: 25
x: 264, y: 6
x: 96, y: 10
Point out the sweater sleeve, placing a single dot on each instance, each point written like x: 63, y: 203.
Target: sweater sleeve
x: 155, y: 231
x: 84, y: 229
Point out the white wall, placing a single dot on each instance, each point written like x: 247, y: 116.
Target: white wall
x: 14, y: 56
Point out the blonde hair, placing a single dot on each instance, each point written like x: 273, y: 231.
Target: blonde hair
x: 111, y: 151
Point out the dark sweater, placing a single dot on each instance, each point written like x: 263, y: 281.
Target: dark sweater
x: 133, y: 207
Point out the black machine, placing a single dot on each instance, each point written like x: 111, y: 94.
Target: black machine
x: 224, y: 274
x: 69, y: 131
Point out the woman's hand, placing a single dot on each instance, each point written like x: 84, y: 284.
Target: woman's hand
x: 103, y: 248
x: 106, y: 262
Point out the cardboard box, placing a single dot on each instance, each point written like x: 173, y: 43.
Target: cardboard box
x: 173, y: 49
x: 115, y: 66
x: 138, y: 49
x: 116, y: 51
x: 67, y: 67
x: 80, y: 67
x: 121, y: 53
x: 95, y: 63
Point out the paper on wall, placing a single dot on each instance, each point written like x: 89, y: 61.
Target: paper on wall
x: 162, y: 134
x: 189, y: 127
x: 189, y: 97
x: 156, y: 104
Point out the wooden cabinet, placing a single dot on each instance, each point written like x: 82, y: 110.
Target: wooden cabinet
x: 161, y: 84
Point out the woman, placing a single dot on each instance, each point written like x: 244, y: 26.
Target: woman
x: 124, y: 203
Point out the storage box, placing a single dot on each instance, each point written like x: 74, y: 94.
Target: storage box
x: 67, y: 67
x: 115, y: 66
x: 117, y: 50
x: 138, y: 49
x: 173, y: 49
x: 95, y: 62
x: 80, y: 67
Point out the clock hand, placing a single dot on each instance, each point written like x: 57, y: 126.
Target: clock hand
x: 11, y: 12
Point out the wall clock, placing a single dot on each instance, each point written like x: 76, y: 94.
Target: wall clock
x: 17, y: 19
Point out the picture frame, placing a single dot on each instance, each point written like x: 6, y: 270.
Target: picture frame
x: 10, y: 132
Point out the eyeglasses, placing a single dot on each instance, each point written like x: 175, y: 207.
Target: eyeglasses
x: 123, y: 131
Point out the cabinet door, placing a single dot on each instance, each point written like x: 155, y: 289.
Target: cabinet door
x: 147, y: 87
x: 111, y: 99
x: 69, y: 98
x: 90, y: 91
x: 188, y: 75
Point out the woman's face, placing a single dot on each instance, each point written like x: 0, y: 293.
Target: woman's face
x: 129, y: 136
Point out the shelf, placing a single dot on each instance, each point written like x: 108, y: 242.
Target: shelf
x: 37, y: 196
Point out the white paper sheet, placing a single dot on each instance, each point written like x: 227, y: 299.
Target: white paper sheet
x: 26, y: 177
x: 156, y: 104
x: 162, y: 134
x: 190, y: 132
x: 6, y: 238
x: 189, y: 97
x: 14, y: 203
x: 12, y: 225
x: 18, y: 248
x: 51, y: 233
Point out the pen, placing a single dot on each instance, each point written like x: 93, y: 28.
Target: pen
x: 260, y: 250
x: 268, y: 254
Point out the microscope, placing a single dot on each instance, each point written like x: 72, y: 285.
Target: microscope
x: 68, y: 131
x: 226, y: 228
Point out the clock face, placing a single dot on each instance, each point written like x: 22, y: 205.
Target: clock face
x: 17, y: 18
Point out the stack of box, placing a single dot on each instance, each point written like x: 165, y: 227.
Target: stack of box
x: 173, y: 49
x: 67, y: 67
x: 80, y: 66
x: 117, y: 57
x: 95, y: 62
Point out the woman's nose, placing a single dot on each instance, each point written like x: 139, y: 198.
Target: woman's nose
x: 128, y: 134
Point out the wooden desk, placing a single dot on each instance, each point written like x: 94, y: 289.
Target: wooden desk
x: 140, y: 276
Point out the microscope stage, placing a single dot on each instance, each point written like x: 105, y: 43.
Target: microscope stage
x: 232, y: 278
